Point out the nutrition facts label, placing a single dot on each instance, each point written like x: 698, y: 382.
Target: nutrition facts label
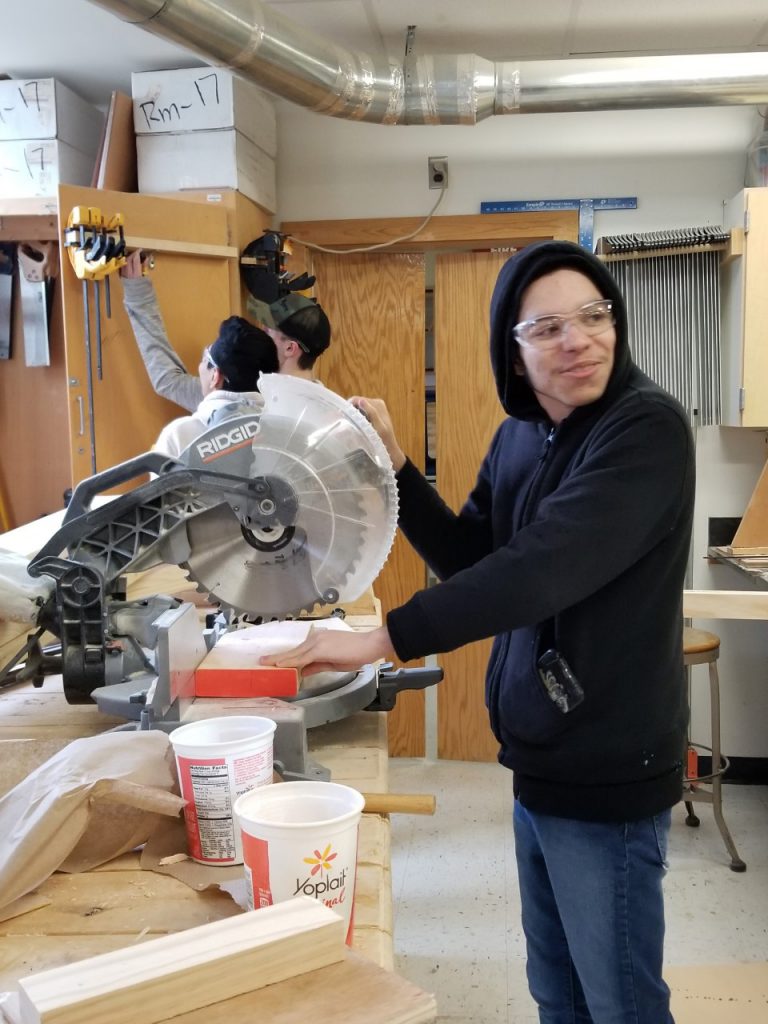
x: 210, y: 786
x: 205, y: 785
x: 213, y: 801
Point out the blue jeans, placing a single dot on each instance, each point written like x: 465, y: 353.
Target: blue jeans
x: 593, y: 917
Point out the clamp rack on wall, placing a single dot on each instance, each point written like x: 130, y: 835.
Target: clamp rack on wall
x: 96, y: 248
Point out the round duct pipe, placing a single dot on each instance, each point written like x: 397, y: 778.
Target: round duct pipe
x: 298, y: 65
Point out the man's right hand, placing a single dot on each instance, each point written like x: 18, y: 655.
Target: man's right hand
x: 377, y: 414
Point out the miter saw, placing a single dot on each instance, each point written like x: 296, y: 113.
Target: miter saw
x: 282, y: 506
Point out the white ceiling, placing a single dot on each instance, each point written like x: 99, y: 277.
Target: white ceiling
x: 94, y: 52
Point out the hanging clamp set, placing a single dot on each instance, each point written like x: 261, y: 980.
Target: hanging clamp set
x: 96, y: 248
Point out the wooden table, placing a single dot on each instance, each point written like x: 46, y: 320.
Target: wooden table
x: 117, y: 904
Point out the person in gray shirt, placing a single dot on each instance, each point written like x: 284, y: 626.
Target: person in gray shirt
x: 297, y: 325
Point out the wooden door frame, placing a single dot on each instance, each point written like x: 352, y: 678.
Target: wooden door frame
x: 468, y: 231
x: 465, y: 232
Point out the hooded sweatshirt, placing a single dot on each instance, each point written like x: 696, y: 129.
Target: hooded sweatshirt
x: 575, y: 538
x: 180, y: 433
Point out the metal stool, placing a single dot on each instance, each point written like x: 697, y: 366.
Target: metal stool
x: 703, y: 648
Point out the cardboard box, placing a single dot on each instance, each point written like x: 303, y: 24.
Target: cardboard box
x: 42, y: 108
x: 206, y: 159
x: 36, y: 167
x: 202, y: 99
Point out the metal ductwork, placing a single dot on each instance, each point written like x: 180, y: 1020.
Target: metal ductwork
x: 298, y: 65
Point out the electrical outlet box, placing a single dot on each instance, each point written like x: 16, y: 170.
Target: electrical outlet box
x: 437, y: 169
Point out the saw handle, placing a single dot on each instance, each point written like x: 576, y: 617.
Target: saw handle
x: 399, y: 803
x: 86, y: 490
x: 392, y: 681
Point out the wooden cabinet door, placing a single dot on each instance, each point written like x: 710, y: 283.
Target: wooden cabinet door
x: 468, y: 412
x: 376, y: 307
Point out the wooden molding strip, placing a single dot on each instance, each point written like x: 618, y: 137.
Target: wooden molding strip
x: 177, y: 973
x: 725, y: 604
x: 187, y: 248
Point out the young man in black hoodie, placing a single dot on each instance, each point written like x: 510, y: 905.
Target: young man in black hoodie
x: 571, y: 550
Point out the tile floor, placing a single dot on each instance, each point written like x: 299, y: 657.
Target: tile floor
x: 457, y: 910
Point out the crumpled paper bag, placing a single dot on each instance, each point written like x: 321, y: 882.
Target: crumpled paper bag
x: 20, y: 594
x: 97, y: 798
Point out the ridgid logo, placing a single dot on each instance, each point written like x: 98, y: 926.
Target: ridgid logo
x: 321, y: 883
x: 227, y: 441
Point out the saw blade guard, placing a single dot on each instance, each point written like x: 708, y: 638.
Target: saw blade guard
x: 324, y: 515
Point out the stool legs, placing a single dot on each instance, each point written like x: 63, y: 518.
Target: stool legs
x: 715, y: 779
x: 737, y: 864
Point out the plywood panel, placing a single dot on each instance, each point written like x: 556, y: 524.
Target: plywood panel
x: 194, y: 296
x: 753, y: 528
x: 468, y: 412
x: 376, y: 307
x: 116, y: 168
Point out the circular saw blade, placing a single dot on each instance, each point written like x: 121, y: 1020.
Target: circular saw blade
x: 312, y: 443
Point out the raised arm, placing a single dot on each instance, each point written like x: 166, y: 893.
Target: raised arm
x: 167, y: 373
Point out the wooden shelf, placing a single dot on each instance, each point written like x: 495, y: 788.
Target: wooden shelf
x: 34, y: 206
x: 28, y: 220
x: 679, y: 250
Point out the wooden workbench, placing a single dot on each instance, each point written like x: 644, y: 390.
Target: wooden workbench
x: 119, y: 903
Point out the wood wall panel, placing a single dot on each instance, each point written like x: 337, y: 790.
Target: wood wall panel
x: 194, y: 296
x: 246, y: 221
x: 468, y: 412
x: 376, y: 307
x: 34, y: 455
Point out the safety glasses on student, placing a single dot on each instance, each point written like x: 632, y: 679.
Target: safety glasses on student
x: 544, y: 332
x: 208, y: 359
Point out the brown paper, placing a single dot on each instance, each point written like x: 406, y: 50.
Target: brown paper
x: 166, y: 853
x: 96, y: 798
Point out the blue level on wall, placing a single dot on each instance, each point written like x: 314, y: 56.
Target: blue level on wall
x: 586, y: 208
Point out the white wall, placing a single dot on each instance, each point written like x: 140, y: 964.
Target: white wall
x: 680, y: 164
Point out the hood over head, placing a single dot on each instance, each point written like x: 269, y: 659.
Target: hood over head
x: 520, y: 271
